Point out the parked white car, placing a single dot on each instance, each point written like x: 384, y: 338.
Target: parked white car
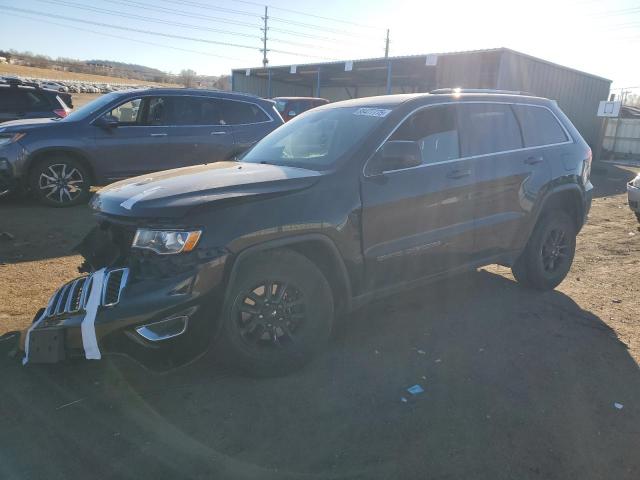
x: 633, y: 192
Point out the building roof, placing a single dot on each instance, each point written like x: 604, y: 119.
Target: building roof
x: 402, y: 65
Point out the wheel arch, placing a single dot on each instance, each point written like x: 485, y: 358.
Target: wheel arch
x: 565, y: 197
x: 40, y: 155
x: 320, y: 250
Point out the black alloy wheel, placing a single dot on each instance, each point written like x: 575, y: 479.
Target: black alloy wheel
x: 271, y: 315
x: 278, y: 314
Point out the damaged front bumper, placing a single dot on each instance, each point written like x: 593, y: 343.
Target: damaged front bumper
x: 156, y: 313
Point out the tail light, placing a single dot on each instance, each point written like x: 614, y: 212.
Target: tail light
x: 586, y: 168
x: 61, y: 112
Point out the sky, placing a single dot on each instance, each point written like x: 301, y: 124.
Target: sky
x: 599, y: 37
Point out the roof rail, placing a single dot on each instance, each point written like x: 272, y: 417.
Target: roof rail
x: 478, y: 90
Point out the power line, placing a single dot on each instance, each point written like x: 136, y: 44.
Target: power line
x: 148, y: 6
x: 147, y: 32
x: 146, y: 19
x: 120, y: 37
x: 151, y: 32
x: 297, y: 12
x: 205, y: 6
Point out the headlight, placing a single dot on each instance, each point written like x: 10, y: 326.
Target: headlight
x: 7, y: 138
x: 166, y: 242
x: 636, y: 181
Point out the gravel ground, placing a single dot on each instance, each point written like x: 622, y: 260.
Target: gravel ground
x: 518, y: 384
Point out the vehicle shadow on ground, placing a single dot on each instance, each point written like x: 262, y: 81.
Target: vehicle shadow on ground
x: 37, y: 232
x: 517, y: 384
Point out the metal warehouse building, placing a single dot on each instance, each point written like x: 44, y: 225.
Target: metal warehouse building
x: 577, y: 93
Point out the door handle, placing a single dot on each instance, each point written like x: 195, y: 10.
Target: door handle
x: 218, y: 133
x: 459, y: 173
x: 158, y: 135
x: 533, y: 160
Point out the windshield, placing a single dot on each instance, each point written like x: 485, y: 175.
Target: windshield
x: 91, y: 107
x: 317, y: 139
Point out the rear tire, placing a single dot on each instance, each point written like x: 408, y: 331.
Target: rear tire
x: 547, y: 258
x: 60, y: 181
x: 278, y: 314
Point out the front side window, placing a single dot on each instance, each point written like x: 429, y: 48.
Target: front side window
x: 435, y: 131
x: 539, y: 126
x: 487, y: 128
x: 128, y: 113
x: 318, y: 139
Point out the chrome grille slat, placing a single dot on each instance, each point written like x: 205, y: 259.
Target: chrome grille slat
x: 114, y: 282
x: 72, y: 297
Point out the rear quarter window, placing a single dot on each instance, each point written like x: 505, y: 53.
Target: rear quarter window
x: 539, y: 126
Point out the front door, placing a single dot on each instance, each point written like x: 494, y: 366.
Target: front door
x: 138, y: 144
x: 419, y: 221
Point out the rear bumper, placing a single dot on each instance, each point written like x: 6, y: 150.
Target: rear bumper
x: 192, y: 296
x: 633, y: 194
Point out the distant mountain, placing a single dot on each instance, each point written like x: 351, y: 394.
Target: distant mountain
x: 120, y: 66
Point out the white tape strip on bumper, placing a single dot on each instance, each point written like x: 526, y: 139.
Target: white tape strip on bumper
x: 88, y: 328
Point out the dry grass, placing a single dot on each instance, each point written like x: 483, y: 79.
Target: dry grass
x: 20, y: 70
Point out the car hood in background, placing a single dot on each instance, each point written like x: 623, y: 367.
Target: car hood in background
x: 26, y: 124
x: 172, y: 193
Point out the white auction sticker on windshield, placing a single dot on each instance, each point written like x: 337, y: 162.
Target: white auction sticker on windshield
x: 372, y: 112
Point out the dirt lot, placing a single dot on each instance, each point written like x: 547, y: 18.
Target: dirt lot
x: 518, y: 384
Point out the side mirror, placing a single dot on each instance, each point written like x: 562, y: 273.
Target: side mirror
x: 106, y: 121
x: 292, y: 113
x: 396, y: 155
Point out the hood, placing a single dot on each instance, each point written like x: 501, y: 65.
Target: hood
x: 27, y: 124
x: 172, y: 193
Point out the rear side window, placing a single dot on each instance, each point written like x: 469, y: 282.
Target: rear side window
x: 17, y: 100
x: 36, y: 101
x: 487, y: 128
x: 196, y: 111
x: 539, y: 126
x: 435, y: 130
x: 241, y: 113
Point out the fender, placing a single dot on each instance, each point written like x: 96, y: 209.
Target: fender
x: 539, y: 208
x: 288, y: 241
x: 62, y: 149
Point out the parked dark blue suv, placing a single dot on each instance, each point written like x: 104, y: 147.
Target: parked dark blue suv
x: 124, y: 134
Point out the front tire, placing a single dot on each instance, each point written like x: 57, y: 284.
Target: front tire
x: 547, y: 258
x: 278, y: 315
x: 60, y: 181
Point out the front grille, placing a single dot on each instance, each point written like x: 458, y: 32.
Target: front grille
x: 114, y: 282
x: 72, y: 297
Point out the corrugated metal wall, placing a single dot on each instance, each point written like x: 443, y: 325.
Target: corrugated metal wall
x: 627, y: 136
x: 468, y: 70
x: 577, y: 94
x: 260, y: 86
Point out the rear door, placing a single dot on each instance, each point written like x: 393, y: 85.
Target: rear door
x: 419, y: 221
x: 138, y: 144
x: 507, y: 174
x: 199, y: 133
x: 249, y: 121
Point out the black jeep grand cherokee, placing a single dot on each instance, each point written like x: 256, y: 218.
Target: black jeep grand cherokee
x: 345, y: 203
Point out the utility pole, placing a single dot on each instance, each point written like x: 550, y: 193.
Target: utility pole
x: 386, y: 46
x: 264, y: 50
